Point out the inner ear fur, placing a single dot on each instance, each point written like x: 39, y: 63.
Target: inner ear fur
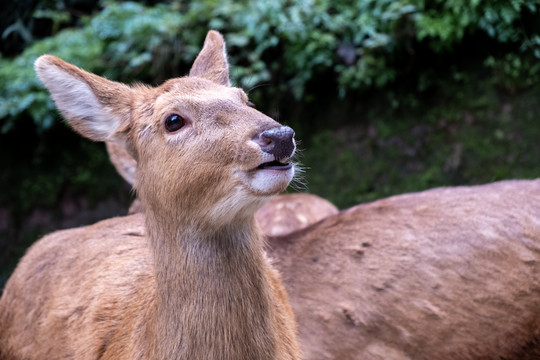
x: 100, y: 109
x: 95, y: 107
x: 212, y: 63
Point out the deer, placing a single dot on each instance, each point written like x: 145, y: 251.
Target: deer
x: 448, y: 273
x: 188, y: 279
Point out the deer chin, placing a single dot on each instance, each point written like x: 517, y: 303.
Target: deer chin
x: 267, y: 179
x: 255, y: 188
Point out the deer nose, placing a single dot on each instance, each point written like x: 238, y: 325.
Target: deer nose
x: 278, y: 142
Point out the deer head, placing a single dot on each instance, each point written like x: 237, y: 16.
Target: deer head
x: 199, y: 145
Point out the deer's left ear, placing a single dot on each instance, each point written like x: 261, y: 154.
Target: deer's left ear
x: 211, y: 63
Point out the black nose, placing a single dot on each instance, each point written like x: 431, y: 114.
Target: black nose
x: 278, y: 142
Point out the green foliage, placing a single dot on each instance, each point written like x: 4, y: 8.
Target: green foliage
x: 512, y: 71
x: 139, y: 42
x: 21, y: 91
x: 360, y: 45
x: 475, y: 140
x: 310, y: 50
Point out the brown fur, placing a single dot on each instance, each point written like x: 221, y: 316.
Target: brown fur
x: 122, y: 161
x: 288, y: 213
x: 450, y: 273
x: 193, y: 282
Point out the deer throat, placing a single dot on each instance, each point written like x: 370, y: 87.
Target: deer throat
x: 214, y: 300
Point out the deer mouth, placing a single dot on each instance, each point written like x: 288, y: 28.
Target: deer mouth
x: 270, y: 177
x: 274, y: 165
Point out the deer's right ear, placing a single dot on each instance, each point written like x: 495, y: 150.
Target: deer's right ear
x: 95, y: 107
x: 212, y: 63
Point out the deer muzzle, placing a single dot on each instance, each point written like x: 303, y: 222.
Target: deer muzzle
x: 278, y: 142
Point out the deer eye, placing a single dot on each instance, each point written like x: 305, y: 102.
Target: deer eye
x: 174, y: 122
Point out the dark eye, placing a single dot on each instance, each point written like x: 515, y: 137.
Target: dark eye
x: 174, y: 122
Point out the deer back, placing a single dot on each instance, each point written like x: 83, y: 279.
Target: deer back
x: 449, y: 273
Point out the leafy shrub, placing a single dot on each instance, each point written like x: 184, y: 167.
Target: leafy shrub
x: 361, y: 45
x: 480, y: 138
x: 21, y: 91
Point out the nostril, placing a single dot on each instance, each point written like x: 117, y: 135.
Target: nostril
x: 277, y: 141
x: 262, y: 141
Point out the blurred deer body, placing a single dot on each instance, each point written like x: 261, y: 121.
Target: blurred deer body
x: 449, y: 273
x: 189, y: 279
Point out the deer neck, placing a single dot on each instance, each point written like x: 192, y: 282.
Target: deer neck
x: 213, y: 297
